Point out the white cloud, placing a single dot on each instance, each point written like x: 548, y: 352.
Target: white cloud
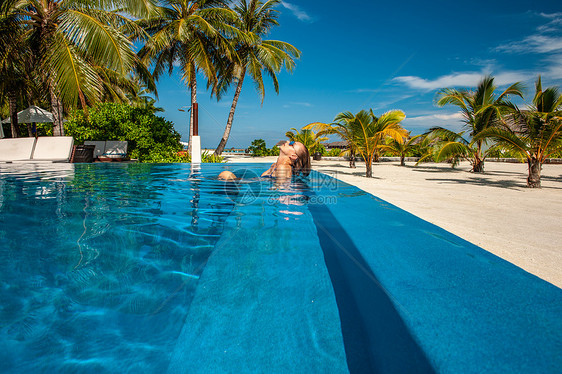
x: 533, y: 44
x: 421, y: 123
x: 457, y: 79
x: 297, y: 103
x: 364, y: 90
x: 547, y: 38
x: 467, y: 79
x: 554, y: 70
x: 440, y: 117
x: 297, y: 11
x: 552, y: 15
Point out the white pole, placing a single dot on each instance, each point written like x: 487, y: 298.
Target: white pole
x: 196, y: 149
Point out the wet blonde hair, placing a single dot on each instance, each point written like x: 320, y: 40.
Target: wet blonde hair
x: 302, y: 164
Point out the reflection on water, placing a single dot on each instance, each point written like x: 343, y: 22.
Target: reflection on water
x: 99, y: 263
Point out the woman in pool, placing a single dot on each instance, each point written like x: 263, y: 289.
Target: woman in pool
x: 293, y: 159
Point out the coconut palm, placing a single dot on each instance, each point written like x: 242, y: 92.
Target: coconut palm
x: 535, y: 133
x: 188, y: 34
x: 401, y: 148
x: 481, y: 109
x: 369, y: 131
x: 364, y: 132
x: 312, y: 141
x: 341, y: 129
x: 70, y: 38
x: 256, y: 55
x: 445, y: 145
x: 12, y: 65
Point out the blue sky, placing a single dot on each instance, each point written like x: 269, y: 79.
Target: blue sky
x: 382, y: 55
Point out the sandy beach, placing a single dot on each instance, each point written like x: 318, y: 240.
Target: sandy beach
x: 493, y: 210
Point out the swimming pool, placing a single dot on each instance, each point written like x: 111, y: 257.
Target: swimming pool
x: 161, y: 268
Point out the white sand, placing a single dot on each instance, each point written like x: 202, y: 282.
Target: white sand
x: 493, y: 210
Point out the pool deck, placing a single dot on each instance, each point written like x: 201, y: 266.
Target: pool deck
x: 493, y: 210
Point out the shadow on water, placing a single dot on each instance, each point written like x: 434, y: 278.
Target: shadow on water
x: 376, y: 338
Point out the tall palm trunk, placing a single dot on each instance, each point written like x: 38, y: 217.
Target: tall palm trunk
x: 225, y: 136
x: 402, y: 160
x: 13, y: 113
x: 193, y: 88
x: 56, y: 104
x: 534, y: 179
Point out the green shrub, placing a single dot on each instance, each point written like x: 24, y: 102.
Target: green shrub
x: 333, y: 152
x: 211, y: 158
x: 150, y: 138
x: 259, y: 149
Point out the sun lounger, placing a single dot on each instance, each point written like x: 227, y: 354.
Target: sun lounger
x: 110, y: 150
x: 115, y: 149
x: 16, y: 149
x: 100, y: 147
x: 51, y: 149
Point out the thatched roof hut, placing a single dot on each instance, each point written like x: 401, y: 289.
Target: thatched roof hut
x: 338, y: 145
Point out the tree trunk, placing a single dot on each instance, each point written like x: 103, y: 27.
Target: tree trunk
x: 534, y: 179
x: 402, y: 160
x: 13, y: 113
x: 29, y: 130
x: 352, y: 159
x: 369, y: 167
x: 56, y: 104
x: 193, y: 88
x: 222, y: 143
x: 478, y: 166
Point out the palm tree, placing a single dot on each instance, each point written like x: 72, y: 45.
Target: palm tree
x: 535, y: 133
x: 312, y: 141
x: 401, y: 148
x: 188, y: 33
x: 254, y: 19
x: 481, y: 110
x: 70, y: 38
x: 341, y: 129
x: 12, y: 65
x: 445, y: 145
x: 364, y: 132
x: 368, y: 132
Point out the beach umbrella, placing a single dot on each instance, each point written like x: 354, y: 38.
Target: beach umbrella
x: 32, y: 114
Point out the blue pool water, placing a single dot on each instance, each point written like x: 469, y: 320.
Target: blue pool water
x: 161, y: 268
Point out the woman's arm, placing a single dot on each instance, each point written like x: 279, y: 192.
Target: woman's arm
x: 268, y: 172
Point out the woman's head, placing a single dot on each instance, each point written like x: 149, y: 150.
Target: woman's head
x: 300, y: 158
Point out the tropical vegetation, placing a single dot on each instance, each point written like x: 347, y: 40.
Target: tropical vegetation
x: 78, y: 58
x: 258, y: 148
x: 76, y: 54
x: 312, y: 141
x: 150, y: 138
x: 254, y: 55
x: 402, y: 148
x: 365, y: 132
x: 187, y: 33
x: 80, y: 51
x: 534, y: 134
x: 481, y: 109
